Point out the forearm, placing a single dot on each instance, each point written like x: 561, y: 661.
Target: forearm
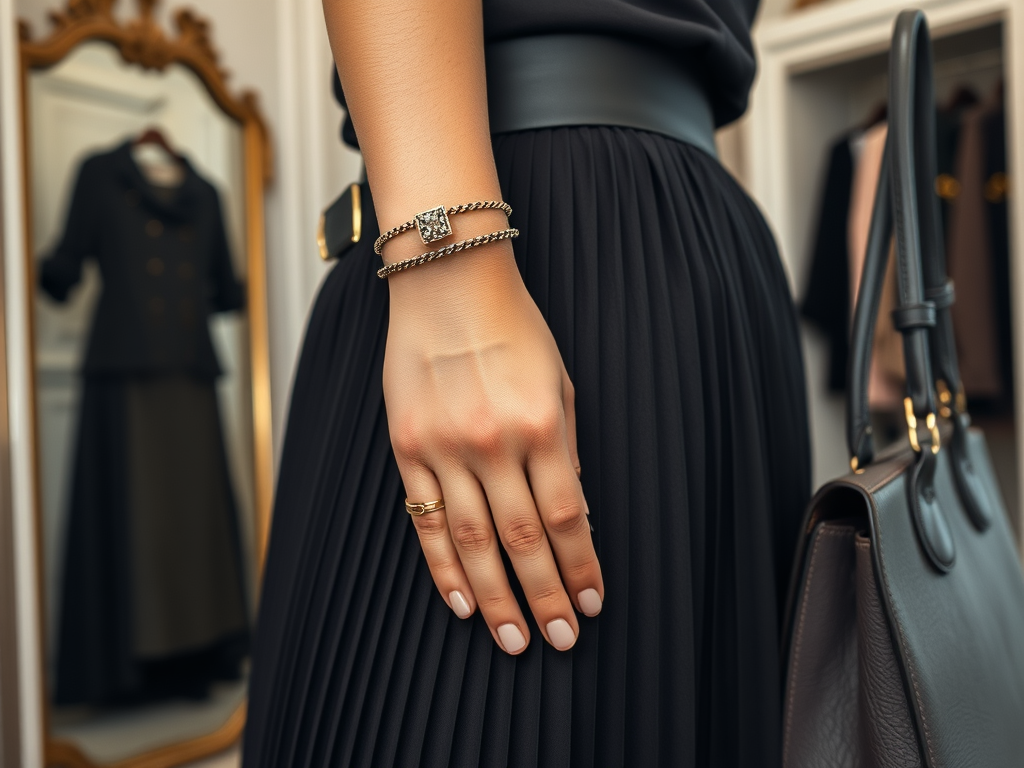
x: 414, y: 79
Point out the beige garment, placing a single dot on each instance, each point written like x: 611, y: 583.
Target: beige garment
x: 886, y: 385
x: 969, y: 255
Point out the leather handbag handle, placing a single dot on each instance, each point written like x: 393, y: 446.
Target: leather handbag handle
x: 939, y: 291
x: 910, y: 147
x: 859, y: 438
x: 905, y: 200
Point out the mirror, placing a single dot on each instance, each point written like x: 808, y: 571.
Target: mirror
x: 144, y: 187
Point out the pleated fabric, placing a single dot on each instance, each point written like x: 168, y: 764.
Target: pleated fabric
x: 665, y: 293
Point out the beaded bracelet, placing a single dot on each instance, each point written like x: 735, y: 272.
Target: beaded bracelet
x: 461, y: 245
x: 434, y: 225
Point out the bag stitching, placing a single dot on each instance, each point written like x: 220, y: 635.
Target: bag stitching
x: 910, y: 663
x: 799, y: 636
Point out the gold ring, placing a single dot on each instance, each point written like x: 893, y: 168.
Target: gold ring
x: 421, y: 509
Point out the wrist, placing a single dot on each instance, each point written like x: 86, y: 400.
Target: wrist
x: 465, y: 283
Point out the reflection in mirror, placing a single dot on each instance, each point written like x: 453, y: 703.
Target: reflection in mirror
x: 144, y: 404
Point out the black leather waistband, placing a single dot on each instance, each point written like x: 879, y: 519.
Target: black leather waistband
x: 581, y: 79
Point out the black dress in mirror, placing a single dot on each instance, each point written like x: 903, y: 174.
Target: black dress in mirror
x: 154, y: 598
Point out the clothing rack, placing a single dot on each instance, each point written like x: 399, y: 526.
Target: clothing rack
x: 824, y: 68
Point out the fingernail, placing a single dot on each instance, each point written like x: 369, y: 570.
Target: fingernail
x: 561, y: 634
x: 590, y: 602
x: 511, y: 638
x: 460, y: 605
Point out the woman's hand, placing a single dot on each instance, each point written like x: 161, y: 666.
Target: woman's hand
x: 479, y: 404
x: 480, y: 410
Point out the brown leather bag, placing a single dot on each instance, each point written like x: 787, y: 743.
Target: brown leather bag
x: 905, y: 638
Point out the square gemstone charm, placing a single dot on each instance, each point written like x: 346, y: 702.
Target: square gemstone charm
x: 433, y: 225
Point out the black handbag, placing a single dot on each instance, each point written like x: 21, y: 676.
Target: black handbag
x: 905, y: 628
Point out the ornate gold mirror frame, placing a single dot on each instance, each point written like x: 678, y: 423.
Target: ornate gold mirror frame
x: 143, y: 42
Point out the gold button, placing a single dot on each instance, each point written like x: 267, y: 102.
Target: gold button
x: 997, y: 187
x: 946, y: 186
x: 154, y: 228
x: 155, y: 266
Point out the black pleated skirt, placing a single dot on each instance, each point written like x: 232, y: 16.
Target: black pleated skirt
x: 665, y: 293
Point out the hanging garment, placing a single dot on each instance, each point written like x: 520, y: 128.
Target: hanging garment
x: 166, y: 267
x: 885, y: 385
x: 948, y: 121
x: 153, y: 601
x: 997, y: 187
x: 827, y: 299
x: 971, y: 267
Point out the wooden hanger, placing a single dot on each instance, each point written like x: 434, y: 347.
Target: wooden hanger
x: 153, y: 135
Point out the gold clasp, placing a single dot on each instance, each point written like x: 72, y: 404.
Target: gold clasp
x: 357, y: 213
x: 930, y: 423
x: 321, y: 238
x: 947, y: 402
x: 354, y: 193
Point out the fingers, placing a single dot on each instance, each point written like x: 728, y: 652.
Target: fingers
x: 524, y: 538
x: 472, y: 530
x: 518, y: 488
x: 559, y: 498
x: 438, y: 549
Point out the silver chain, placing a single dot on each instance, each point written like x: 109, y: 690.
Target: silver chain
x: 479, y: 205
x: 462, y: 245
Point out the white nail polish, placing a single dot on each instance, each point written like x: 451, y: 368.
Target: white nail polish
x: 590, y: 602
x: 561, y: 635
x: 511, y: 638
x: 459, y: 604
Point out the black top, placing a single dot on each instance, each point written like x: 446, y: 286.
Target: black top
x: 827, y: 302
x: 711, y: 38
x: 163, y: 255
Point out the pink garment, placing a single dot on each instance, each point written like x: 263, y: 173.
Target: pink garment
x: 886, y: 386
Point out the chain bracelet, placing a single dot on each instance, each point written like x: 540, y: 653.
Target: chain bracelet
x: 461, y: 245
x: 445, y: 228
